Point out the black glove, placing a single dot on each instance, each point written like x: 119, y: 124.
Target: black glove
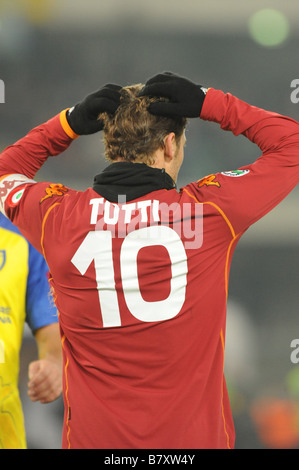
x: 83, y: 118
x: 185, y: 98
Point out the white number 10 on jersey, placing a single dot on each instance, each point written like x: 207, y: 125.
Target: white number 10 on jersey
x: 97, y: 247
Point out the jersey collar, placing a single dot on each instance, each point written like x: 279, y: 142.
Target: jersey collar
x: 132, y: 180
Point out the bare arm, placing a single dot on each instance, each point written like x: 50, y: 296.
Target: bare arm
x: 45, y: 374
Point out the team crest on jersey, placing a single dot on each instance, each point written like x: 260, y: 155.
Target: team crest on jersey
x: 2, y: 259
x: 235, y: 173
x: 54, y: 189
x: 209, y: 180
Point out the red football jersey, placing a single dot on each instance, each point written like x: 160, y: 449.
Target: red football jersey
x: 141, y: 284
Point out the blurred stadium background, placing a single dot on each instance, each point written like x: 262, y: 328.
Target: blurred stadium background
x: 54, y: 52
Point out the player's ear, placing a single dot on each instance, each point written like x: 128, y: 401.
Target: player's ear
x: 169, y: 146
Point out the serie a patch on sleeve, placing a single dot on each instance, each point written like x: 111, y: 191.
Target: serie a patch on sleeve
x: 235, y: 173
x: 12, y: 188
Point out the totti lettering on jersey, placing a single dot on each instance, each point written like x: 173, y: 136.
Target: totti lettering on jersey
x: 121, y: 218
x: 105, y: 212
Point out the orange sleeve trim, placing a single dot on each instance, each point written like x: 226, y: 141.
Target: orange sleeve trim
x: 4, y: 176
x: 65, y: 125
x: 231, y: 230
x: 234, y: 237
x: 226, y: 265
x: 218, y: 209
x: 66, y: 396
x: 43, y: 227
x: 223, y: 215
x: 223, y: 417
x: 63, y: 338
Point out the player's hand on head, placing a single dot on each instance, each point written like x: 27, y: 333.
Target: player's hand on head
x: 185, y: 98
x: 83, y: 118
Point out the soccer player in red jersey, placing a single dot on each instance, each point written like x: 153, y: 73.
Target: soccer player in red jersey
x: 139, y: 268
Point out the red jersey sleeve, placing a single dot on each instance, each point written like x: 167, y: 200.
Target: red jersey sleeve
x: 248, y: 193
x: 24, y: 201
